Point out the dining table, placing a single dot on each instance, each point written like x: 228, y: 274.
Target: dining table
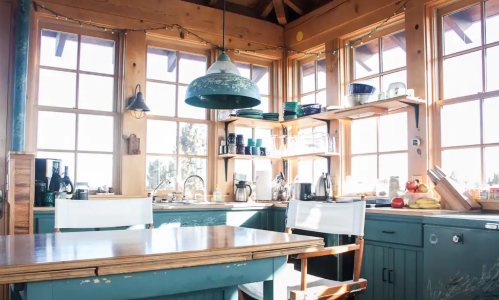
x: 203, y: 262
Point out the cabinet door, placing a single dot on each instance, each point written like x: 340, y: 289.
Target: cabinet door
x: 375, y: 272
x: 406, y: 275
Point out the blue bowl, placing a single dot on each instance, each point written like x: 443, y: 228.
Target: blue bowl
x: 360, y: 88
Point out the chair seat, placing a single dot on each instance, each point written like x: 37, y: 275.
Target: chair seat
x: 293, y: 279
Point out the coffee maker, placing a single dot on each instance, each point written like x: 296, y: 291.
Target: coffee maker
x: 45, y: 169
x: 48, y: 180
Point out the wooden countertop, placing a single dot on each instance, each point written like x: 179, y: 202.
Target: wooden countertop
x: 78, y: 254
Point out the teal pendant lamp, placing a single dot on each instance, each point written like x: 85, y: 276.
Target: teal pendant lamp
x: 223, y: 87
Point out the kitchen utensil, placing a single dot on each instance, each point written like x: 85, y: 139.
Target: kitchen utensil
x: 263, y: 187
x: 241, y: 191
x: 360, y: 88
x: 323, y: 187
x: 303, y: 191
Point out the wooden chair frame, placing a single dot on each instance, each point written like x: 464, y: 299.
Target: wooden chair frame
x: 353, y: 287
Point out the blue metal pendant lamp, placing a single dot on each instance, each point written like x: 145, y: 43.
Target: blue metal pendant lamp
x: 223, y: 87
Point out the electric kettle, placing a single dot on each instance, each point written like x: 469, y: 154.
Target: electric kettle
x: 323, y: 187
x: 241, y: 191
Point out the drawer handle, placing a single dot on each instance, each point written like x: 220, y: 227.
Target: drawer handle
x: 383, y: 275
x: 390, y: 276
x: 388, y: 232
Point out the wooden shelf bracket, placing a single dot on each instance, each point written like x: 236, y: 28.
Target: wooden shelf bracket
x: 416, y: 111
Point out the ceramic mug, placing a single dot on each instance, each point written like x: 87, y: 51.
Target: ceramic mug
x: 247, y: 150
x: 255, y: 150
x: 263, y: 151
x: 232, y: 149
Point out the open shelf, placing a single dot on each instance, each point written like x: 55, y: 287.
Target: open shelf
x: 253, y: 122
x: 303, y: 121
x: 311, y: 155
x: 242, y: 156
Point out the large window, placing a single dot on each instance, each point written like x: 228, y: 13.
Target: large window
x: 76, y: 102
x: 469, y: 92
x: 380, y: 60
x: 259, y: 72
x: 249, y: 167
x: 311, y: 169
x: 177, y: 134
x: 312, y: 83
x: 379, y: 148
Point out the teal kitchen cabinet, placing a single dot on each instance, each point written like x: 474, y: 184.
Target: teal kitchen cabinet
x: 182, y: 218
x: 393, y: 258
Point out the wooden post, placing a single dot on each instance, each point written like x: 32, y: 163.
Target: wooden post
x: 357, y: 264
x: 20, y: 191
x: 304, y: 270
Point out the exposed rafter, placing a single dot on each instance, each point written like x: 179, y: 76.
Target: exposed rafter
x: 299, y: 6
x: 60, y: 42
x: 459, y: 22
x: 280, y: 11
x: 264, y: 7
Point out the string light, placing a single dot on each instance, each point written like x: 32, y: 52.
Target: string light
x: 206, y: 42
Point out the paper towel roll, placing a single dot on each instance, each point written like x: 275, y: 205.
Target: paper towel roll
x: 263, y: 185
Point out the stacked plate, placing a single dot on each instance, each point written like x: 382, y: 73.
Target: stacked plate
x: 250, y: 113
x: 292, y: 110
x: 271, y: 116
x: 311, y: 109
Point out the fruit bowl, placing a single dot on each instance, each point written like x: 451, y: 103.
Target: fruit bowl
x: 411, y: 198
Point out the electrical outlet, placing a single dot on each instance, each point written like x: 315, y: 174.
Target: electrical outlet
x: 418, y: 177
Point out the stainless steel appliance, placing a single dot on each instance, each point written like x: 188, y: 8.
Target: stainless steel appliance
x: 323, y: 187
x: 303, y: 191
x: 45, y: 168
x: 81, y: 191
x: 241, y: 195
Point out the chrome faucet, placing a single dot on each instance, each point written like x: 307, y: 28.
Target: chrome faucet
x: 183, y: 194
x: 162, y: 181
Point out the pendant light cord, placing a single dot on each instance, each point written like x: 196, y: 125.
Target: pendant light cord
x: 223, y: 34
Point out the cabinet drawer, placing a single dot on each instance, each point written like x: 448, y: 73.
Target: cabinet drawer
x: 394, y: 232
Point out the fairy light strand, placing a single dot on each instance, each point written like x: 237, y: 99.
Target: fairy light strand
x: 180, y: 28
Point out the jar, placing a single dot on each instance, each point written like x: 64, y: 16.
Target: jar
x: 240, y: 139
x: 240, y: 149
x: 231, y: 138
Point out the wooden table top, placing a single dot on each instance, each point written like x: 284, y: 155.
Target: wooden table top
x: 69, y: 251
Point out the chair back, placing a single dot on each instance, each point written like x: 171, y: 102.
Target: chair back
x: 332, y: 218
x: 102, y: 213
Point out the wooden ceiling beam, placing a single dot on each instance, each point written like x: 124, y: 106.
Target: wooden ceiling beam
x: 299, y: 6
x: 264, y: 7
x: 459, y: 22
x: 60, y: 42
x: 280, y: 11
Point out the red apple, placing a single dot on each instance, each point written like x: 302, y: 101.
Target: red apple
x: 411, y: 185
x: 397, y: 203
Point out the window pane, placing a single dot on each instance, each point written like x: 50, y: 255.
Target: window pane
x: 372, y: 82
x: 68, y: 159
x: 265, y: 135
x: 320, y: 166
x: 305, y: 171
x: 161, y: 64
x: 263, y: 165
x: 191, y: 67
x: 308, y: 78
x: 192, y: 166
x: 400, y: 76
x: 159, y: 168
x: 490, y: 120
x: 96, y: 92
x: 492, y: 69
x: 161, y: 137
x: 321, y: 98
x: 322, y: 128
x: 160, y: 98
x: 460, y: 124
x: 365, y: 167
x: 57, y: 88
x: 264, y: 106
x: 187, y: 111
x: 193, y: 139
x: 56, y: 130
x: 245, y: 167
x: 492, y: 22
x: 308, y: 99
x: 393, y: 132
x: 97, y: 55
x: 366, y: 59
x: 95, y: 133
x: 246, y: 132
x: 244, y: 69
x: 393, y: 165
x: 491, y: 161
x: 306, y: 130
x: 58, y: 49
x: 463, y: 165
x: 261, y: 79
x: 394, y: 54
x: 462, y: 30
x: 455, y: 84
x: 321, y: 74
x: 364, y: 136
x: 96, y: 169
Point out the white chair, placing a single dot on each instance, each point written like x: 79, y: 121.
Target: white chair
x: 102, y: 213
x: 332, y: 218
